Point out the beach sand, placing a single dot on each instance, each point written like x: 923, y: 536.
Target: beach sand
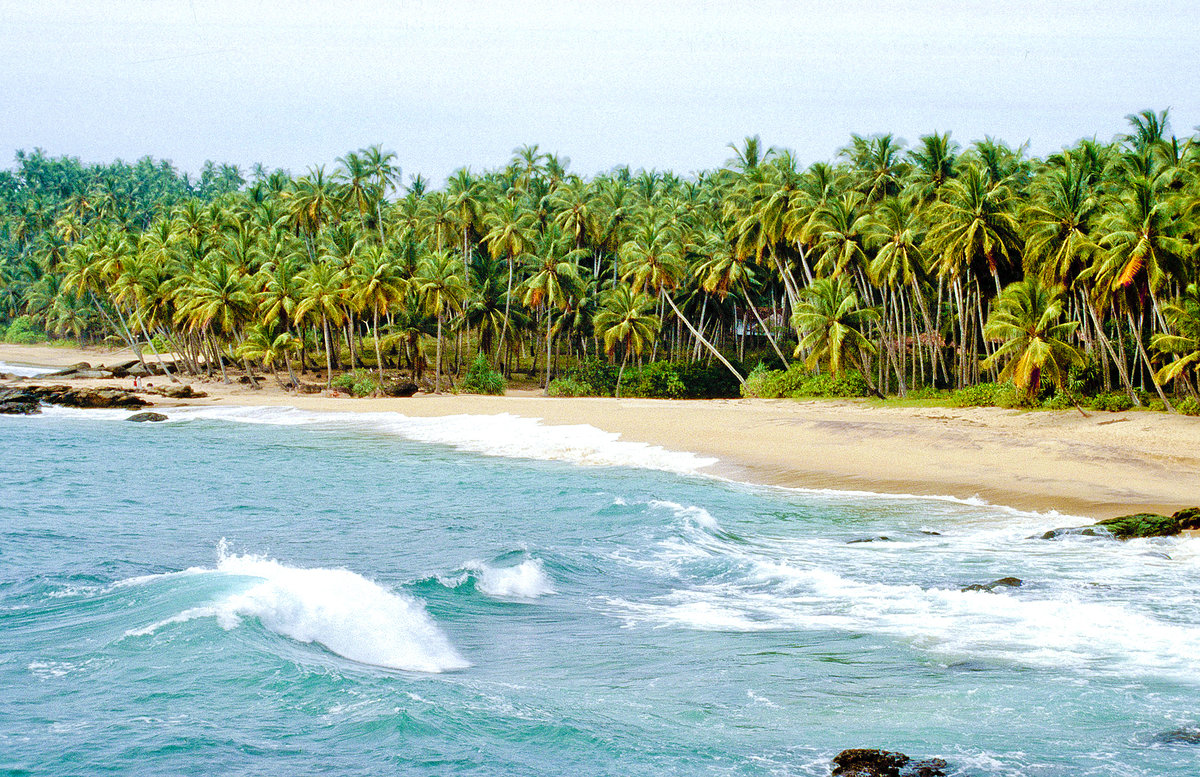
x: 1096, y: 465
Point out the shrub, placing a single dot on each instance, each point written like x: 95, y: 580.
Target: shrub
x: 482, y: 379
x: 569, y: 387
x: 659, y: 380
x: 1059, y: 400
x: 23, y: 331
x: 708, y: 381
x: 596, y: 374
x: 1189, y: 406
x: 797, y: 382
x: 979, y: 395
x: 358, y: 382
x: 1114, y: 402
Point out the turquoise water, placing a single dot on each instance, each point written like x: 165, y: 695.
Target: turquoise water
x: 270, y: 592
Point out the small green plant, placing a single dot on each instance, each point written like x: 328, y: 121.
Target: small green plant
x: 658, y: 380
x: 979, y: 395
x: 598, y: 375
x: 1189, y: 406
x: 360, y: 383
x: 482, y: 379
x: 1113, y: 402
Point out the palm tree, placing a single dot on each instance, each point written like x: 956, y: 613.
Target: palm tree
x: 376, y: 286
x: 625, y: 319
x: 554, y: 276
x: 439, y: 281
x: 323, y: 295
x: 975, y: 228
x: 1026, y: 320
x: 831, y: 325
x: 510, y: 232
x: 1183, y: 316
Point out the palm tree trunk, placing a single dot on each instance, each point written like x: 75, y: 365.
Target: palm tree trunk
x: 1137, y: 337
x: 546, y: 388
x: 699, y: 336
x: 621, y: 372
x: 437, y: 375
x: 507, y: 301
x: 378, y: 353
x: 1118, y: 361
x: 763, y: 324
x: 328, y: 352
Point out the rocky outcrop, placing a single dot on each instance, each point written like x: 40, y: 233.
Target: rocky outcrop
x: 146, y: 417
x: 1128, y: 527
x: 177, y: 392
x: 70, y: 396
x: 400, y: 389
x: 19, y: 402
x: 884, y: 763
x: 1004, y: 582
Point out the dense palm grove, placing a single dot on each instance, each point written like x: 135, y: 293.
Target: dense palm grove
x: 913, y: 267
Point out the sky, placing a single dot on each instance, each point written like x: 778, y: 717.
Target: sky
x: 664, y: 85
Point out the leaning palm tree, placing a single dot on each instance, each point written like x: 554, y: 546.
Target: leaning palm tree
x: 626, y: 320
x: 1026, y: 319
x: 831, y: 325
x: 1183, y: 316
x: 377, y: 286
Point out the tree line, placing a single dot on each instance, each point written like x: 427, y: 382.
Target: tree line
x: 926, y: 265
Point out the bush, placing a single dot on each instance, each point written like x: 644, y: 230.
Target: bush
x: 797, y: 382
x: 359, y: 382
x: 482, y: 379
x: 598, y: 376
x: 979, y: 395
x: 1189, y: 406
x: 1059, y: 400
x: 1113, y: 403
x: 658, y: 380
x: 23, y: 331
x: 569, y: 387
x: 708, y: 381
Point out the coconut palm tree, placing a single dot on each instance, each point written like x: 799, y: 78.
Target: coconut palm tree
x: 322, y: 296
x: 1183, y: 316
x: 439, y: 281
x: 554, y: 274
x: 377, y: 286
x: 626, y: 319
x: 1026, y: 319
x: 831, y: 325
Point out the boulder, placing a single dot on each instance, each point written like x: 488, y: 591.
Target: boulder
x: 91, y: 375
x: 77, y: 397
x: 1075, y: 531
x: 136, y: 370
x: 179, y: 392
x: 404, y: 388
x: 1188, y: 518
x: 146, y: 416
x: 880, y: 538
x: 11, y: 407
x: 1004, y: 582
x: 883, y: 763
x: 1128, y: 527
x: 121, y: 370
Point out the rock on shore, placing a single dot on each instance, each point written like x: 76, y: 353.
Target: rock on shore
x: 861, y: 762
x: 1128, y: 527
x: 26, y: 400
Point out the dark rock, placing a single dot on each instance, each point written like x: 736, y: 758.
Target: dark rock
x: 870, y: 539
x: 1141, y: 525
x: 80, y: 397
x: 122, y: 370
x: 931, y: 533
x: 181, y: 392
x: 1186, y: 735
x: 20, y: 408
x: 400, y: 389
x: 147, y: 416
x: 1076, y: 531
x: 91, y: 375
x: 311, y: 388
x: 883, y: 763
x: 1004, y: 582
x: 136, y: 370
x: 1188, y: 518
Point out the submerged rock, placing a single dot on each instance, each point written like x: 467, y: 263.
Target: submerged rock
x: 1185, y: 735
x: 19, y: 407
x: 1004, y: 582
x: 880, y: 538
x: 1075, y: 531
x: 147, y: 416
x: 884, y: 763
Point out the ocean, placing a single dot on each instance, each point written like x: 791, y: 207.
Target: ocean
x: 274, y: 592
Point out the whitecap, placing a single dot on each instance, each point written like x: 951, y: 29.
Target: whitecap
x: 347, y: 613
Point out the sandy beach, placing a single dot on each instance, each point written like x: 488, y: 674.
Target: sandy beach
x: 1099, y: 465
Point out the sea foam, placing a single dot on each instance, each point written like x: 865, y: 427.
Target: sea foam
x: 347, y: 613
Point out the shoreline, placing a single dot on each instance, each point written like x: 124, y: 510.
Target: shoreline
x: 1098, y: 466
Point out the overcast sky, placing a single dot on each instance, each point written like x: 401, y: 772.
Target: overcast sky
x: 603, y: 82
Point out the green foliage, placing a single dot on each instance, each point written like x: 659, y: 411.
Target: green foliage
x: 482, y: 379
x: 1189, y: 406
x: 569, y: 387
x: 797, y: 382
x: 596, y: 376
x: 23, y: 331
x: 360, y: 383
x: 1113, y: 402
x: 979, y: 395
x: 659, y: 380
x: 708, y: 381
